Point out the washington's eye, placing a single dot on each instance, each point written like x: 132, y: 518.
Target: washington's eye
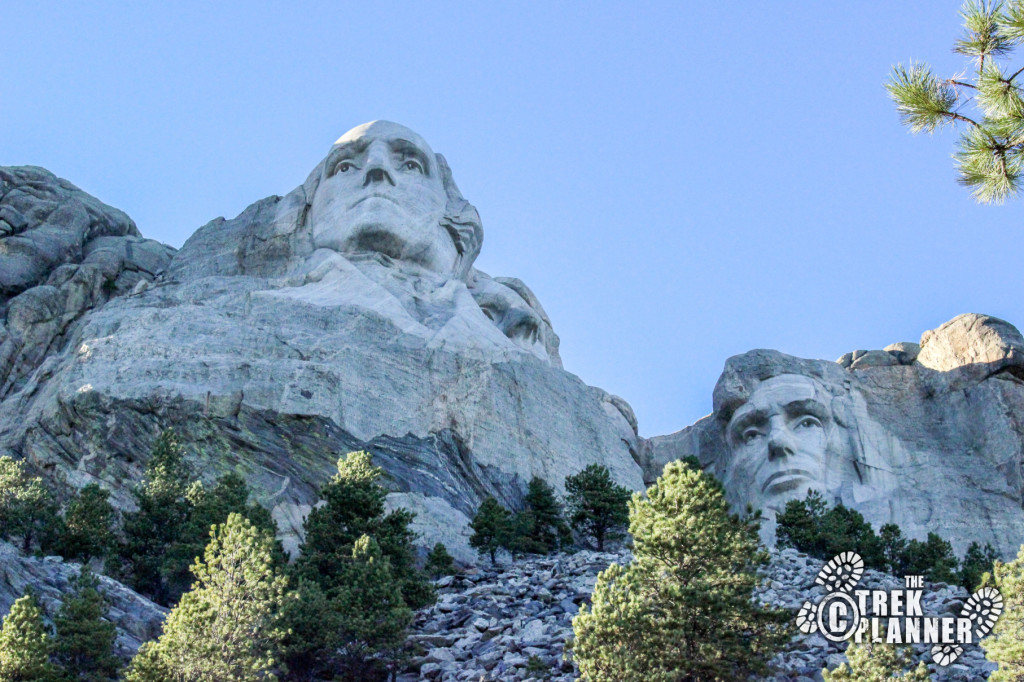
x: 808, y: 422
x: 343, y: 167
x: 412, y: 165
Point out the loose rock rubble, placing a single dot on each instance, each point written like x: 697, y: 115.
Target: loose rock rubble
x: 511, y: 622
x: 508, y: 622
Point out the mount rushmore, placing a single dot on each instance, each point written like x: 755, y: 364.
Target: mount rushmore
x: 348, y: 314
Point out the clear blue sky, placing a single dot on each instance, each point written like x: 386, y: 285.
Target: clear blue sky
x: 678, y: 181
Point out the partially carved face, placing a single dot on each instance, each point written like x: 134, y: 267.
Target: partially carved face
x: 381, y: 191
x: 778, y: 442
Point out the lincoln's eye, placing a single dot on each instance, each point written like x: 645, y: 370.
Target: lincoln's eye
x: 412, y: 165
x: 808, y: 422
x: 749, y: 435
x: 343, y: 167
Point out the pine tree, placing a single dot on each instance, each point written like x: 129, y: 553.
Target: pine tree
x: 24, y: 645
x: 439, y: 561
x: 27, y: 508
x: 682, y: 610
x: 874, y: 662
x: 548, y: 530
x: 311, y: 625
x: 933, y: 558
x: 597, y: 506
x: 205, y: 509
x: 373, y: 616
x: 990, y: 154
x: 161, y: 518
x: 894, y: 548
x: 976, y: 563
x: 1005, y: 645
x: 84, y: 642
x: 88, y: 529
x: 492, y: 528
x: 225, y: 627
x: 354, y: 505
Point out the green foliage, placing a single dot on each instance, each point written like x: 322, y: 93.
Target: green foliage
x: 24, y: 645
x: 874, y: 662
x: 84, y: 643
x: 27, y: 509
x: 206, y: 508
x: 976, y: 563
x: 597, y: 506
x: 158, y: 524
x: 310, y: 623
x: 492, y: 528
x: 88, y: 528
x: 810, y: 526
x: 225, y: 627
x: 373, y: 615
x: 1005, y: 645
x: 172, y: 525
x: 990, y: 151
x: 682, y: 610
x: 894, y: 548
x: 353, y: 506
x: 546, y: 530
x: 356, y: 629
x: 439, y: 561
x: 933, y: 558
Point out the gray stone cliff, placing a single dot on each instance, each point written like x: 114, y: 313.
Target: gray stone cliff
x: 272, y: 355
x: 929, y: 436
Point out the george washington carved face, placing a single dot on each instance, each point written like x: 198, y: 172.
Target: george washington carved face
x: 383, y: 190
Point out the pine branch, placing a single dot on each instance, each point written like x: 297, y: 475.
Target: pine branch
x: 924, y: 102
x: 982, y: 37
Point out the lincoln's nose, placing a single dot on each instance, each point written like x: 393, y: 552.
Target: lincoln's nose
x: 780, y: 443
x: 377, y: 175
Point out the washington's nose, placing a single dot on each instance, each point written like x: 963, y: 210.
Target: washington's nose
x: 780, y: 443
x: 377, y: 166
x: 377, y: 175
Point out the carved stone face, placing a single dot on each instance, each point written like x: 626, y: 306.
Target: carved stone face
x: 778, y: 442
x: 381, y: 191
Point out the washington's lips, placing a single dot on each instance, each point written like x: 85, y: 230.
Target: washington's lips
x: 373, y: 195
x: 785, y: 478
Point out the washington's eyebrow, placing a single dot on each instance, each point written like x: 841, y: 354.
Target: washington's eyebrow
x: 407, y: 148
x: 806, y: 406
x: 346, y: 150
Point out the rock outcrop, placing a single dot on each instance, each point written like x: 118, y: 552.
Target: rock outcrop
x: 137, y: 619
x: 929, y: 436
x: 346, y: 314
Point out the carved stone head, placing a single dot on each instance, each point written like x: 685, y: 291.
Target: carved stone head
x: 786, y: 431
x: 383, y: 190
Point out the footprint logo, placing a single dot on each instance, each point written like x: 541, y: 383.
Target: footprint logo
x: 982, y: 609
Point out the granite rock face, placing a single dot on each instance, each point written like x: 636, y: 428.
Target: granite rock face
x: 346, y: 314
x: 930, y: 437
x: 137, y: 619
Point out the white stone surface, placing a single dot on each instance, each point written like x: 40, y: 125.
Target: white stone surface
x: 346, y: 314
